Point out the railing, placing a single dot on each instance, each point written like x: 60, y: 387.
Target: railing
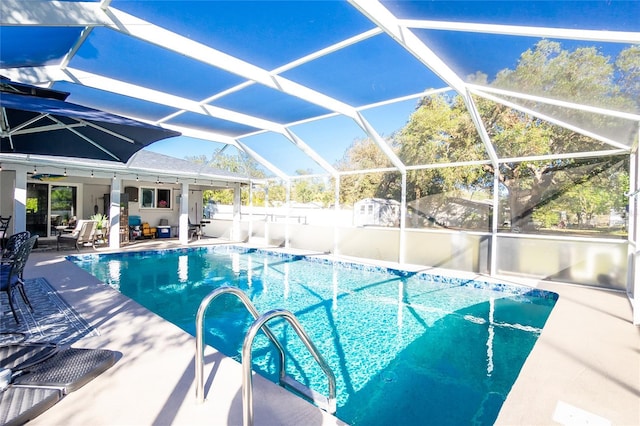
x: 326, y: 403
x: 200, y: 334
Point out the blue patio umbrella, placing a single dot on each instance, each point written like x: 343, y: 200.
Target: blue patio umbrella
x: 40, y: 121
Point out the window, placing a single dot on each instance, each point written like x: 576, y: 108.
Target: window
x: 156, y: 198
x: 148, y: 197
x: 164, y: 198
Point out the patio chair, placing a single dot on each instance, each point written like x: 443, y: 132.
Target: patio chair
x: 194, y: 230
x: 81, y: 236
x: 12, y: 245
x: 11, y: 275
x: 4, y: 225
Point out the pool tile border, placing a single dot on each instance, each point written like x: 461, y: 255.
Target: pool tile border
x: 511, y: 289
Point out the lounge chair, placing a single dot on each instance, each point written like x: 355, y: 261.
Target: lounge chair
x: 11, y: 274
x: 83, y: 234
x: 42, y: 374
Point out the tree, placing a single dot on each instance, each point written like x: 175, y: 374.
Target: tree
x: 364, y: 154
x: 239, y: 163
x: 628, y: 64
x: 441, y: 131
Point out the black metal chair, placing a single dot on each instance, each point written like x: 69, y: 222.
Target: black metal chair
x: 11, y: 274
x: 12, y: 245
x: 4, y: 225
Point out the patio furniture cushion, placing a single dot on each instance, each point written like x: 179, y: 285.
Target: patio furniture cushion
x: 43, y: 374
x: 68, y: 370
x: 5, y: 269
x: 24, y: 355
x: 18, y: 405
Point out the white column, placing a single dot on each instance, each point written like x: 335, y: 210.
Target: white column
x: 336, y: 208
x: 493, y: 248
x: 633, y: 265
x: 266, y: 214
x: 250, y: 235
x: 183, y: 230
x: 402, y: 250
x: 288, y: 204
x: 235, y: 231
x: 114, y: 214
x: 20, y: 200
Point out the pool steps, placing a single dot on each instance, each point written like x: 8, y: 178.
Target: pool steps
x: 260, y: 323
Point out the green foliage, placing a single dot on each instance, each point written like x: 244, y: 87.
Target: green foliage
x: 100, y: 218
x: 239, y: 163
x: 220, y: 196
x: 277, y: 194
x: 61, y: 198
x: 628, y: 64
x: 362, y: 155
x: 32, y: 205
x: 312, y: 190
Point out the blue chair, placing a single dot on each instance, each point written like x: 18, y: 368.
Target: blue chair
x: 11, y: 274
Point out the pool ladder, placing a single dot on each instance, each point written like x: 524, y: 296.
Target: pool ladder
x: 326, y: 403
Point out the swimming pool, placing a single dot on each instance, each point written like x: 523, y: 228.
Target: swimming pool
x: 405, y: 347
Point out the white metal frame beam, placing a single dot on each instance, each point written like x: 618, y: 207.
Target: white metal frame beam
x: 526, y: 31
x: 555, y: 121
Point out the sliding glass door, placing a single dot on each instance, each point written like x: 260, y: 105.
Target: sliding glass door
x: 50, y: 206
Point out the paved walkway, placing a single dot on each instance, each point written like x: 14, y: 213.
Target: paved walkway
x: 585, y: 368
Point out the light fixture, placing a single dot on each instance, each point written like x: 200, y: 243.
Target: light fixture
x: 158, y: 179
x: 137, y: 178
x: 91, y: 173
x: 35, y: 170
x: 65, y: 171
x: 114, y: 175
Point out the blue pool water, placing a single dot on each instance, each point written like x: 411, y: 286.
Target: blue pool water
x: 405, y: 347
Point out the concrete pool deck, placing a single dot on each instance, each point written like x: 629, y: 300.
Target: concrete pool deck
x: 584, y: 369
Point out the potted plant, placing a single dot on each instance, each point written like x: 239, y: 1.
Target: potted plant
x: 101, y: 219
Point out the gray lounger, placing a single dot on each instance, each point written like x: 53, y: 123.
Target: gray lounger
x: 44, y: 374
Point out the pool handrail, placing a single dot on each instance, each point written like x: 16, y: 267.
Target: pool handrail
x: 199, y: 361
x: 329, y: 404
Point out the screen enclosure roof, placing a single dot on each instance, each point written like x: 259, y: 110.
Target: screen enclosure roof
x: 294, y: 83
